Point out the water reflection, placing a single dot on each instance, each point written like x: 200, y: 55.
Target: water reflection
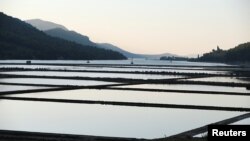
x: 120, y: 68
x: 221, y: 79
x: 188, y: 87
x: 119, y: 121
x: 146, y: 97
x: 136, y: 61
x: 242, y: 122
x: 7, y: 88
x: 55, y: 81
x: 99, y: 75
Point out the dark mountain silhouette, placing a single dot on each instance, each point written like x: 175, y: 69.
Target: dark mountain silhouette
x: 19, y: 40
x: 70, y: 35
x: 44, y: 25
x: 57, y: 30
x: 240, y: 53
x: 63, y: 33
x: 84, y: 40
x: 133, y: 55
x: 124, y: 52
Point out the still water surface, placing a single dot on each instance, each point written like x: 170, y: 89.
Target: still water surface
x: 188, y: 87
x: 117, y: 121
x: 221, y: 79
x: 55, y: 81
x: 126, y: 62
x: 146, y: 97
x: 120, y: 68
x: 7, y: 88
x: 94, y: 75
x: 242, y: 122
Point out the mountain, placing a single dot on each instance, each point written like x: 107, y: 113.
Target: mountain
x: 70, y: 35
x: 19, y: 40
x: 57, y: 30
x: 124, y: 52
x: 44, y: 25
x: 158, y: 56
x: 134, y: 55
x: 62, y: 32
x: 84, y: 40
x: 240, y: 53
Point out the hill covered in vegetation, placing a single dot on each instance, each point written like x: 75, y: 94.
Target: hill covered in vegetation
x: 60, y: 31
x: 238, y: 54
x: 19, y: 40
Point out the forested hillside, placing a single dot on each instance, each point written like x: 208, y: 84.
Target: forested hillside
x: 240, y: 53
x: 19, y: 40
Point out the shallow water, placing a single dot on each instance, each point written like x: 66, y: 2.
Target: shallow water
x: 117, y: 121
x: 221, y: 79
x: 188, y: 87
x: 146, y: 97
x: 119, y: 68
x: 94, y: 75
x: 7, y: 88
x: 127, y: 62
x: 243, y: 122
x: 55, y: 81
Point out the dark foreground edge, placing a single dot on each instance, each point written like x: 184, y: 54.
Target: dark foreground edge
x: 7, y: 135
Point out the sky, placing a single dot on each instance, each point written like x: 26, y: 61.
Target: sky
x: 183, y: 27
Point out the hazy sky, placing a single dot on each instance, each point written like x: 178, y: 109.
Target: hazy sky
x: 146, y: 26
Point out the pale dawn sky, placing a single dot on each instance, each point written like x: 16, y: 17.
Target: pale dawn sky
x: 146, y: 26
